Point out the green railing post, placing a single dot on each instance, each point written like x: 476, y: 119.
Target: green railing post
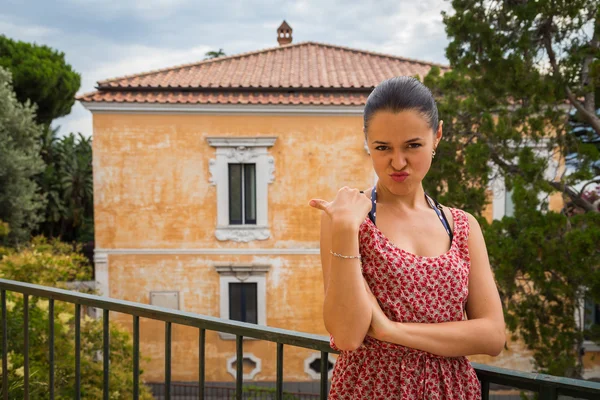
x: 239, y: 372
x: 324, y: 374
x: 4, y: 347
x: 78, y: 351
x: 485, y: 390
x: 51, y: 346
x: 279, y: 392
x: 26, y: 347
x: 136, y: 357
x: 201, y: 361
x: 106, y: 353
x: 548, y: 393
x: 168, y: 361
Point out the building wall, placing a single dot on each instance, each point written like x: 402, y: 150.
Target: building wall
x: 151, y: 176
x: 152, y: 195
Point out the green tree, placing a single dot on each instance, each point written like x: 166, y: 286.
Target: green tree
x: 214, y: 54
x: 42, y: 76
x: 52, y: 263
x: 67, y: 182
x: 20, y: 200
x: 519, y: 71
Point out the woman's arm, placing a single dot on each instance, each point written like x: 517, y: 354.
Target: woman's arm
x: 347, y: 309
x: 483, y: 333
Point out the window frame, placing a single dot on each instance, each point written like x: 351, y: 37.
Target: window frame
x: 244, y: 273
x: 242, y: 150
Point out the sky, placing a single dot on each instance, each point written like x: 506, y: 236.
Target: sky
x: 104, y: 39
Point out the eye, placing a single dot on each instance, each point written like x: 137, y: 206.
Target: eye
x: 415, y: 145
x: 381, y: 148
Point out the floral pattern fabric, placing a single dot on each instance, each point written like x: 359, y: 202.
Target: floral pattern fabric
x: 410, y: 288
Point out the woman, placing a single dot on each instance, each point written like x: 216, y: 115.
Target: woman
x: 408, y: 287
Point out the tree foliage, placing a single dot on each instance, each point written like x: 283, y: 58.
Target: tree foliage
x: 67, y: 181
x: 520, y: 71
x: 42, y: 76
x: 209, y: 55
x: 20, y: 200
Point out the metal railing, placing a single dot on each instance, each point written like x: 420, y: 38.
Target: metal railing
x: 548, y: 387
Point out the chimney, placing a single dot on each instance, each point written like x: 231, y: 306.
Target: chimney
x: 284, y: 34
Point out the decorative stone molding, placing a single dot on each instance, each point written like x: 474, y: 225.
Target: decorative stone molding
x: 242, y: 234
x: 217, y: 251
x: 248, y: 273
x: 220, y: 109
x: 249, y: 356
x: 235, y: 150
x: 317, y: 357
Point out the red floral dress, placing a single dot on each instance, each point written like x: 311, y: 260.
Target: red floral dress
x: 410, y: 288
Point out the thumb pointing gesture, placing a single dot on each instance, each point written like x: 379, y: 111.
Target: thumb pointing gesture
x: 319, y: 204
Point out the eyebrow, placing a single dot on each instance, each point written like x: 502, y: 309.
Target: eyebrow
x: 408, y: 141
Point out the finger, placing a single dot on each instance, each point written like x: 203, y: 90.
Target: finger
x: 318, y: 204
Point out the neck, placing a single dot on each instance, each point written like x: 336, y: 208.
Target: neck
x: 409, y: 201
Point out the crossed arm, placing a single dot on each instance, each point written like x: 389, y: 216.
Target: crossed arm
x: 482, y: 333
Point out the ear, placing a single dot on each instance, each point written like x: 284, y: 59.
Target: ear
x: 438, y: 134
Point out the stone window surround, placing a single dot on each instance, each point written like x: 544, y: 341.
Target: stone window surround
x: 249, y: 356
x: 317, y: 356
x: 240, y: 150
x: 249, y: 273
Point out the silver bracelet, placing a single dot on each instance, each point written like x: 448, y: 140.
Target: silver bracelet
x: 342, y: 256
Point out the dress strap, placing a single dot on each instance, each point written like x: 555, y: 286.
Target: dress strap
x: 373, y: 212
x: 430, y: 200
x: 438, y: 210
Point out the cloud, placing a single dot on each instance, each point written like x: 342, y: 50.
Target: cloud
x: 25, y: 31
x: 135, y: 59
x: 143, y: 9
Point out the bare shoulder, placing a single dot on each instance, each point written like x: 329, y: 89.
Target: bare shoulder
x: 449, y: 216
x: 476, y: 240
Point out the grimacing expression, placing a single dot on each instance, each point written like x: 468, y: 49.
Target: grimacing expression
x: 401, y: 142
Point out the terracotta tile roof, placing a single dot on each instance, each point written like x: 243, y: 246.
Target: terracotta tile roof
x: 303, y: 73
x: 177, y: 97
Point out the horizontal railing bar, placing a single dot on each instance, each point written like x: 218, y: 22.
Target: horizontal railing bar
x: 261, y: 332
x: 533, y: 381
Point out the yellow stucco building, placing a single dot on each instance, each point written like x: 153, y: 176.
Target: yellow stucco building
x: 202, y: 175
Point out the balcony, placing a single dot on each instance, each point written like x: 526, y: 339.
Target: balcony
x: 547, y: 387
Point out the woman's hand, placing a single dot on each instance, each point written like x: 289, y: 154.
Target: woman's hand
x: 349, y: 208
x: 380, y: 323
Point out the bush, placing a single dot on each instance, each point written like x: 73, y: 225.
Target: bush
x: 52, y: 263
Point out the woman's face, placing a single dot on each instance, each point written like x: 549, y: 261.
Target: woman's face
x: 401, y: 147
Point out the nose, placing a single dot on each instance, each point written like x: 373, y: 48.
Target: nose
x: 398, y: 161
